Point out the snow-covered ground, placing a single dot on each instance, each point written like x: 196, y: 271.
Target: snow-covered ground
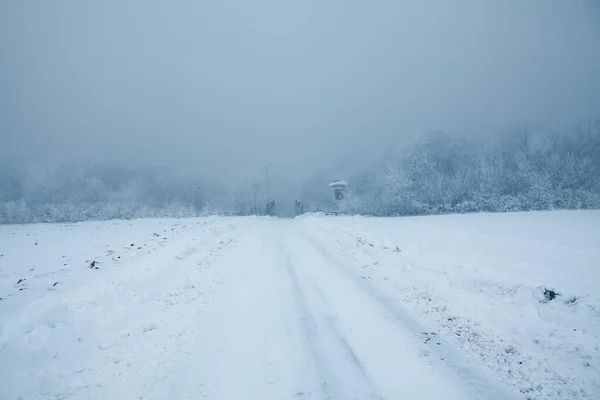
x: 482, y: 306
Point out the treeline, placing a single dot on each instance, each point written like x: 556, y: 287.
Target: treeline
x: 42, y: 193
x: 438, y: 174
x: 69, y: 193
x: 520, y: 171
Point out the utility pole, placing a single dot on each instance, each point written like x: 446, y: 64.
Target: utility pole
x: 270, y: 203
x: 267, y: 174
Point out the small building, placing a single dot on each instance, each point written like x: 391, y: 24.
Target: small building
x: 340, y: 188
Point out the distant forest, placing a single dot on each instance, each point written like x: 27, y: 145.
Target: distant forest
x: 438, y: 174
x: 516, y: 172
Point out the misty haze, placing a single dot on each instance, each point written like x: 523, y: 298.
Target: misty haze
x: 300, y: 200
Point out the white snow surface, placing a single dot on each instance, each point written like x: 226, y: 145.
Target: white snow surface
x: 318, y: 307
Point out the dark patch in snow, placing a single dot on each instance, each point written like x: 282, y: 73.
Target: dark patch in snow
x: 94, y: 265
x: 571, y: 300
x: 549, y: 295
x: 428, y: 336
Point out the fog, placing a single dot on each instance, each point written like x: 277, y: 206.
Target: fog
x: 226, y: 88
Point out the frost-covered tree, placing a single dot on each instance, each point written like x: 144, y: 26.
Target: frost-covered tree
x: 518, y: 171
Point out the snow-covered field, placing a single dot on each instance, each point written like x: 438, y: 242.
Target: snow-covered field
x: 482, y: 306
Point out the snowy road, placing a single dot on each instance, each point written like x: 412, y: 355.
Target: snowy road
x: 292, y: 323
x: 247, y: 308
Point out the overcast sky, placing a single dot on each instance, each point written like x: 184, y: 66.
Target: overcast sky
x: 229, y: 86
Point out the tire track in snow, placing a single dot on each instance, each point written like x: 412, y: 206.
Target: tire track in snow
x: 310, y: 332
x: 341, y: 372
x: 334, y: 326
x: 251, y: 344
x: 484, y: 388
